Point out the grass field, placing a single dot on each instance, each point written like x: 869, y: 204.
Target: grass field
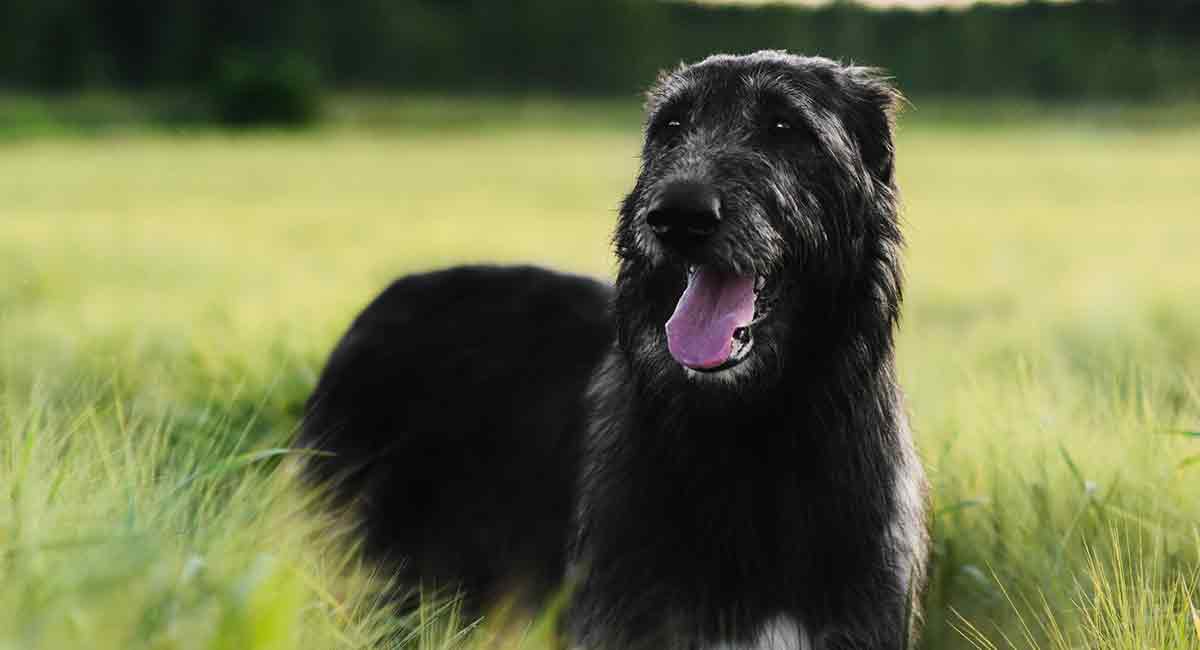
x: 166, y: 301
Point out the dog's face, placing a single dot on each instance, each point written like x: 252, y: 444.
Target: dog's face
x: 765, y: 203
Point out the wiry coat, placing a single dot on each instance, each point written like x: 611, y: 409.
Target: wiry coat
x: 790, y: 490
x: 778, y: 503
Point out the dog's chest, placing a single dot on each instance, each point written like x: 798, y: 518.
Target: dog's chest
x: 780, y: 633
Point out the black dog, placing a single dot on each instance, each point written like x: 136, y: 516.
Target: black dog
x: 720, y: 461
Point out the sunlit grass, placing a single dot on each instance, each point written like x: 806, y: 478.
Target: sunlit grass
x: 123, y: 528
x: 1126, y: 600
x: 166, y: 302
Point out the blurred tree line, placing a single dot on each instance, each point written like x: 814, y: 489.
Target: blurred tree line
x: 1129, y: 49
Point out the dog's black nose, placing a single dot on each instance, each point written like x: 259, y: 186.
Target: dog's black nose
x: 685, y: 213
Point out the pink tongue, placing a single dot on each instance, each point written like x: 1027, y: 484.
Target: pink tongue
x: 700, y: 332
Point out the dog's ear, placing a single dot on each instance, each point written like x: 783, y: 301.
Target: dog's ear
x: 873, y: 107
x: 667, y: 81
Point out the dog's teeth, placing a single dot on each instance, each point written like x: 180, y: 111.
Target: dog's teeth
x: 692, y: 270
x: 759, y: 283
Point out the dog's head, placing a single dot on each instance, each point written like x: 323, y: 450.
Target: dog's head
x: 762, y: 228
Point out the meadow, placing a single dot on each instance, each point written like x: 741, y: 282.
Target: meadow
x: 167, y: 300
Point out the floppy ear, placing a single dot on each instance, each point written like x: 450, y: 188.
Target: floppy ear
x: 873, y: 108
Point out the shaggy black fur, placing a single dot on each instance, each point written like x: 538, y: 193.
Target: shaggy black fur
x: 775, y: 501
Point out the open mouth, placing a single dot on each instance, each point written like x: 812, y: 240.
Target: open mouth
x: 712, y: 328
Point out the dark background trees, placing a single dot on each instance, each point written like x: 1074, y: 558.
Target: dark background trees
x: 1131, y: 49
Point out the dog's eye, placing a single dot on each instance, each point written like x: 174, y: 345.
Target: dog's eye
x: 787, y: 131
x: 671, y: 124
x: 667, y: 130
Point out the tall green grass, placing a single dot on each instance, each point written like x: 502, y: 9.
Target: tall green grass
x: 166, y: 302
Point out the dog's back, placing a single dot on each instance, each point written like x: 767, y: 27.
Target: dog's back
x: 451, y: 411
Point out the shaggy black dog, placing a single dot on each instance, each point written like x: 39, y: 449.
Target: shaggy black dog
x: 716, y: 454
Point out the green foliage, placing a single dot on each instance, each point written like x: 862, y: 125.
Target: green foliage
x: 167, y: 302
x: 1091, y: 48
x: 271, y: 89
